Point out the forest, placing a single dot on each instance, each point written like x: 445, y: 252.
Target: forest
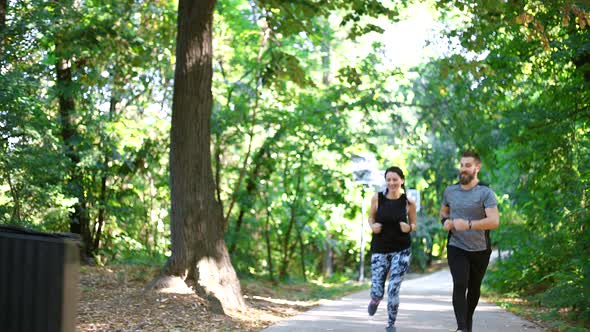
x: 181, y: 134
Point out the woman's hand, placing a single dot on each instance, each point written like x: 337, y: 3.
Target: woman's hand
x: 405, y: 227
x: 376, y: 227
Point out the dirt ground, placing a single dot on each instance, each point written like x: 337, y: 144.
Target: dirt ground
x: 112, y: 299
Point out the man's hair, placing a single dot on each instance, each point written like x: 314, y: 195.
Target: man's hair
x: 472, y: 154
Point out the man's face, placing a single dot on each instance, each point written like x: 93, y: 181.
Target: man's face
x: 469, y: 169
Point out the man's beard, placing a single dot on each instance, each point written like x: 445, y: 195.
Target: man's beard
x: 465, y: 178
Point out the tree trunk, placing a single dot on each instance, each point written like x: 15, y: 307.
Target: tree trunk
x: 102, y: 210
x: 16, y: 211
x: 263, y: 44
x: 79, y: 219
x: 328, y: 257
x: 153, y: 249
x: 287, y: 252
x: 234, y: 243
x: 3, y: 7
x: 217, y: 154
x: 199, y: 254
x: 325, y: 49
x: 302, y: 252
x: 267, y: 236
x: 327, y: 80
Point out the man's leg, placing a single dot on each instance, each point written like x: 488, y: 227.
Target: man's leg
x: 400, y: 264
x: 478, y: 266
x: 380, y: 264
x: 459, y: 266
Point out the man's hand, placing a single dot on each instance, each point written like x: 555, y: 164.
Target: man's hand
x: 461, y: 224
x: 376, y: 227
x: 405, y: 227
x: 448, y: 225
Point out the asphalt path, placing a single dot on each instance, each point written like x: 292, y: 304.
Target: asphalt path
x: 425, y: 305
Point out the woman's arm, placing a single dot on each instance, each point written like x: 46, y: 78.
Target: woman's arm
x: 375, y: 226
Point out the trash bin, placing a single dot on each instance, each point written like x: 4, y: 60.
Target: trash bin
x: 38, y: 280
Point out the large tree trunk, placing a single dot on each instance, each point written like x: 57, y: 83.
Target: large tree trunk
x: 199, y: 254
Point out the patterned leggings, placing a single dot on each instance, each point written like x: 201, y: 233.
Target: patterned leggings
x: 396, y: 264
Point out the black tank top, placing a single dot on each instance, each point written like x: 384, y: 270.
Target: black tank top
x: 389, y: 214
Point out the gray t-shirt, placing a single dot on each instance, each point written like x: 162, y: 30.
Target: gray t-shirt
x: 469, y: 205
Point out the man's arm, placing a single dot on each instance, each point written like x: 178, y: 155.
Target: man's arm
x: 445, y: 213
x: 491, y: 221
x: 412, y: 215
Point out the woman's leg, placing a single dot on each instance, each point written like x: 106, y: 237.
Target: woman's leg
x: 380, y: 264
x: 400, y: 264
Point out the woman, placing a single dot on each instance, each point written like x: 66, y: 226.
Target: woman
x: 390, y: 246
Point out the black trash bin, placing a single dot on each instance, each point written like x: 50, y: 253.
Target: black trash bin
x: 38, y: 280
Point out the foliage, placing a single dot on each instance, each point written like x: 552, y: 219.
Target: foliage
x: 288, y: 100
x: 515, y: 87
x: 282, y: 127
x: 297, y: 90
x: 115, y: 51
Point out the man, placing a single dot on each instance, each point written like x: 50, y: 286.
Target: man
x: 469, y: 211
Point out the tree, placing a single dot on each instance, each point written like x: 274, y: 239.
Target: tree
x: 199, y: 254
x: 79, y: 219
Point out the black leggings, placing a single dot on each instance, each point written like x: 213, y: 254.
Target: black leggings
x: 467, y: 269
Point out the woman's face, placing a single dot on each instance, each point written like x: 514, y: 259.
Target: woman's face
x: 393, y: 181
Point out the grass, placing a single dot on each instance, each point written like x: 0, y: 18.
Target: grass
x: 551, y: 319
x: 299, y: 290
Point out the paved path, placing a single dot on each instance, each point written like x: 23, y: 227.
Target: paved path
x: 425, y: 306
